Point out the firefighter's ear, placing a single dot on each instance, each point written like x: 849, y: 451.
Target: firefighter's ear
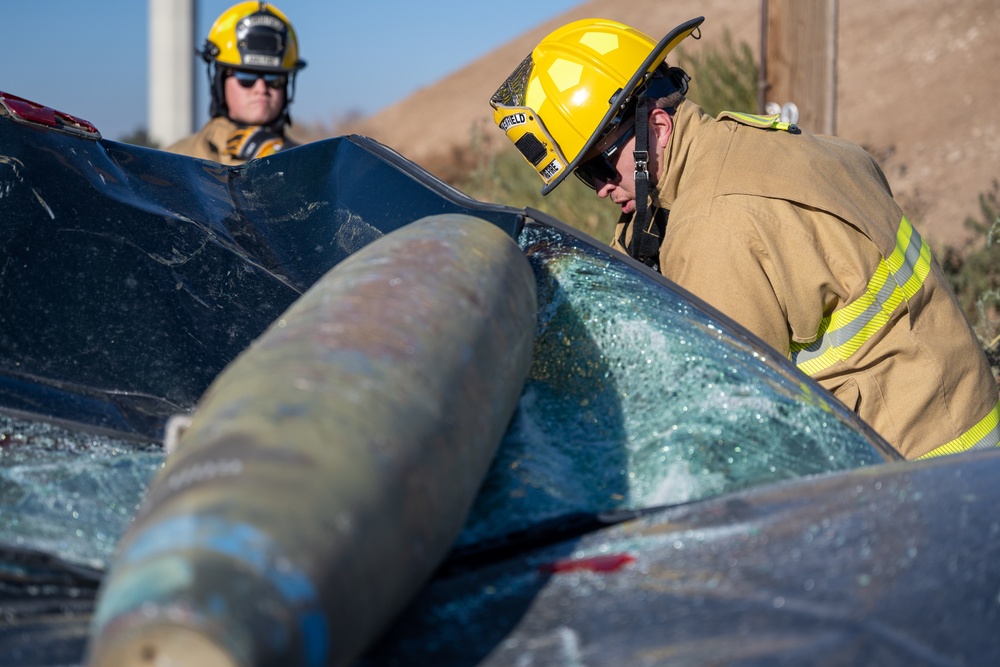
x: 662, y: 125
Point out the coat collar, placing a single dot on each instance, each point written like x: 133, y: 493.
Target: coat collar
x: 690, y: 121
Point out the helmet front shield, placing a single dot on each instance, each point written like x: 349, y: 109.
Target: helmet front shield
x: 262, y: 40
x: 524, y: 128
x: 254, y: 36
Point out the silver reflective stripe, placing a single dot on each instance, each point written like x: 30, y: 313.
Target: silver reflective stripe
x: 844, y: 331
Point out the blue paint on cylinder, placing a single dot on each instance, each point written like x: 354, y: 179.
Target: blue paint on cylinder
x: 240, y: 542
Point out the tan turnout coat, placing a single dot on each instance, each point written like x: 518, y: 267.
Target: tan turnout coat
x: 798, y: 238
x: 209, y: 143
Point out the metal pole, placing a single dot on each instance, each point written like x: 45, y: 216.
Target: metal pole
x: 171, y: 70
x: 762, y: 85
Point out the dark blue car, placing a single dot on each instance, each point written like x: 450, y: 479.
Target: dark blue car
x: 668, y: 490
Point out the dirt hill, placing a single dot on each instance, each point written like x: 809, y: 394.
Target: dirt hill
x: 918, y: 86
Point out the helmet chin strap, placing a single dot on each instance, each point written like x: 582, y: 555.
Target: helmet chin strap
x: 645, y: 243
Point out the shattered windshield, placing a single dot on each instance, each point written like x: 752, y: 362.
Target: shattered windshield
x: 169, y: 267
x: 69, y: 493
x: 636, y: 398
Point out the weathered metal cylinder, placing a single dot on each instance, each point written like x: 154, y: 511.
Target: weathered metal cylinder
x: 328, y: 469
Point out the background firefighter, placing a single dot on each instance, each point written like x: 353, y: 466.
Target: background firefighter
x: 252, y: 55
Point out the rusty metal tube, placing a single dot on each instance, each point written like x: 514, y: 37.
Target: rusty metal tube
x: 328, y: 469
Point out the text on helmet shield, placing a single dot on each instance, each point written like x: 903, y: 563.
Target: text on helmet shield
x: 512, y: 120
x: 255, y: 20
x: 551, y: 169
x: 261, y: 61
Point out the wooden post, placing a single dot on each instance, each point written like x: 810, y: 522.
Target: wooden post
x: 799, y: 61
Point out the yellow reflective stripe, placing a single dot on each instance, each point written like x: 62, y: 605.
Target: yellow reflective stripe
x: 772, y: 122
x: 983, y: 435
x: 844, y: 331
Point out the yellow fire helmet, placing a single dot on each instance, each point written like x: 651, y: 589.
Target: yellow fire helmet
x: 255, y: 36
x: 574, y: 88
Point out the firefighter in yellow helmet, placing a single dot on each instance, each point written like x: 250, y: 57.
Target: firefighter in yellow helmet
x: 252, y: 55
x: 795, y: 236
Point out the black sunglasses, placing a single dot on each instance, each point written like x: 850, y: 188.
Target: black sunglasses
x: 600, y: 169
x: 248, y: 79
